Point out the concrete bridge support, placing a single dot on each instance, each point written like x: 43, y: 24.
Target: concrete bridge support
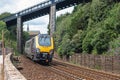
x: 52, y: 18
x: 19, y: 34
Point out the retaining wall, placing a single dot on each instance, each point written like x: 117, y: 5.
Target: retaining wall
x: 11, y: 73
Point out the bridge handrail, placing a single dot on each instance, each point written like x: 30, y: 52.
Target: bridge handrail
x: 33, y: 7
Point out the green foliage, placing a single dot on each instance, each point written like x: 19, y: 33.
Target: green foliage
x: 101, y: 42
x: 10, y: 34
x: 2, y: 26
x: 86, y: 44
x: 13, y: 32
x: 6, y: 33
x: 25, y: 37
x: 79, y: 19
x: 5, y: 14
x: 91, y: 28
x: 61, y: 31
x: 77, y: 38
x: 115, y: 46
x: 115, y: 43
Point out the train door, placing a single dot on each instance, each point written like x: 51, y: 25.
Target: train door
x: 33, y: 46
x: 27, y: 48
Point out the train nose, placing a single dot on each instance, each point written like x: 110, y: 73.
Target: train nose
x: 43, y: 56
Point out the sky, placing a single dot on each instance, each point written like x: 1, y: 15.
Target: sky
x: 38, y: 24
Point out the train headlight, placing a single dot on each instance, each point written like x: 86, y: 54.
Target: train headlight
x: 37, y: 50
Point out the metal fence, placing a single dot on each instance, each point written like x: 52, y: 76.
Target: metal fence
x: 100, y: 62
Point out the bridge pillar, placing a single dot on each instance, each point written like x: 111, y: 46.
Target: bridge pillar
x: 19, y: 34
x: 52, y: 19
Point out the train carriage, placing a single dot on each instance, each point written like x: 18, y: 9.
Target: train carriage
x: 40, y: 48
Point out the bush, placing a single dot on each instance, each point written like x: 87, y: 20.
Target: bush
x: 91, y: 27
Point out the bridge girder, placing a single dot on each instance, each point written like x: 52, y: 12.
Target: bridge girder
x: 30, y: 14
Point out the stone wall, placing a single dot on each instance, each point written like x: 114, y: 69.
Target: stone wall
x: 11, y: 73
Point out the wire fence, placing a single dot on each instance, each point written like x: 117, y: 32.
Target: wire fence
x: 100, y: 62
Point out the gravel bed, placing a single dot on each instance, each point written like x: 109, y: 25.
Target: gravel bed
x: 35, y: 71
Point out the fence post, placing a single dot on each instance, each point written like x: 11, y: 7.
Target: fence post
x: 75, y: 58
x: 112, y: 64
x: 101, y: 58
x: 94, y: 61
x: 81, y: 59
x: 84, y: 59
x: 105, y: 63
x: 89, y: 61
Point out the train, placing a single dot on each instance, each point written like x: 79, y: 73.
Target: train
x: 40, y: 48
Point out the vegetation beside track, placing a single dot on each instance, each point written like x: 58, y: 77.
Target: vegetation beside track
x: 92, y: 28
x: 10, y: 34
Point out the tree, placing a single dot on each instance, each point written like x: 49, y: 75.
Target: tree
x: 5, y: 14
x: 90, y: 28
x: 76, y: 42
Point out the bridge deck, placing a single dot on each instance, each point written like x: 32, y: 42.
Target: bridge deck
x: 41, y: 10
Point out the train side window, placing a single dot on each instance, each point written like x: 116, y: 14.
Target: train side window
x: 27, y: 44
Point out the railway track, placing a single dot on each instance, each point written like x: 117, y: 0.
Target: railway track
x: 86, y: 73
x: 64, y: 71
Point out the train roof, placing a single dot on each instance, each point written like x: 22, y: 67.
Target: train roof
x: 44, y: 35
x: 40, y: 35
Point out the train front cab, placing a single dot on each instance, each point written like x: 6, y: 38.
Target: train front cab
x: 44, y: 48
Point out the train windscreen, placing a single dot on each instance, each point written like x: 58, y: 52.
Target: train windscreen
x: 44, y: 40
